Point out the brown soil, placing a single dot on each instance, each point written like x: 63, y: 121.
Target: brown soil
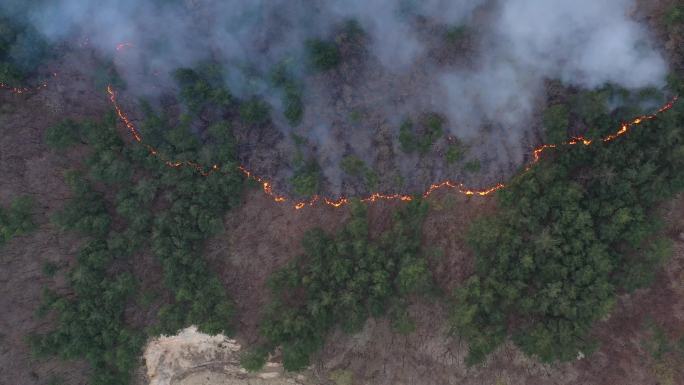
x: 261, y: 236
x: 29, y: 168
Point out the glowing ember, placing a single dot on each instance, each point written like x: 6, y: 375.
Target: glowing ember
x: 122, y: 46
x: 25, y: 90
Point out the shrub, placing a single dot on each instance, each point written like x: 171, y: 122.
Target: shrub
x: 254, y: 360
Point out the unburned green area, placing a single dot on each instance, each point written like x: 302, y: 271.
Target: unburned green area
x: 340, y: 281
x: 572, y: 233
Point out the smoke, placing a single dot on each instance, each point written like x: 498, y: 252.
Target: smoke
x: 516, y: 45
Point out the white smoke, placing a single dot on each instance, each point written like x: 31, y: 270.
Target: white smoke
x: 518, y: 45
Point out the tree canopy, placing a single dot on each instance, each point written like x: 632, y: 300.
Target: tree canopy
x: 341, y: 280
x: 571, y: 233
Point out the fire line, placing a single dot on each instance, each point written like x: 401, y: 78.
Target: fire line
x: 267, y: 186
x: 374, y: 197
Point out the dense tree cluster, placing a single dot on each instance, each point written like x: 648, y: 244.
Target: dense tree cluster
x: 22, y: 49
x: 571, y: 233
x: 455, y: 152
x: 323, y: 55
x: 16, y: 219
x: 306, y: 180
x: 90, y: 322
x: 420, y: 139
x: 356, y: 167
x: 90, y: 318
x: 674, y: 15
x: 202, y: 86
x: 293, y: 106
x: 342, y: 280
x: 556, y: 121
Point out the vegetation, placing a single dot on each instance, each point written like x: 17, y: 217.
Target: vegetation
x: 674, y: 15
x: 293, y: 107
x: 21, y: 50
x: 16, y: 220
x: 106, y: 75
x: 306, y: 180
x: 202, y: 87
x: 91, y: 324
x: 62, y: 135
x: 342, y: 280
x: 323, y: 55
x: 455, y: 153
x: 556, y: 121
x: 90, y: 320
x: 421, y: 140
x: 255, y: 112
x: 356, y: 167
x: 456, y: 33
x: 593, y: 108
x: 472, y: 166
x: 571, y: 233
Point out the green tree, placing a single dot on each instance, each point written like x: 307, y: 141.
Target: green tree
x: 17, y: 219
x: 63, y: 135
x: 255, y: 112
x: 556, y: 120
x: 343, y: 279
x: 567, y: 239
x: 323, y: 55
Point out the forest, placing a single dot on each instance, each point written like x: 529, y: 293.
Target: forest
x: 572, y: 233
x: 113, y: 191
x: 340, y: 281
x: 564, y: 241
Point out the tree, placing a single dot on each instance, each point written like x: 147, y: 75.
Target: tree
x: 323, y: 55
x: 255, y: 112
x: 567, y: 239
x: 556, y: 120
x: 63, y: 135
x: 342, y: 279
x: 307, y: 179
x: 17, y: 219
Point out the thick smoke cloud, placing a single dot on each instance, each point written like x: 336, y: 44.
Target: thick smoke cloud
x: 518, y: 44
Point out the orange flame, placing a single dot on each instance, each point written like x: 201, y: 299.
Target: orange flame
x: 342, y: 201
x: 375, y: 197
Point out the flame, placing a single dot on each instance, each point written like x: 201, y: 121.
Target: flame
x: 375, y: 197
x: 267, y: 186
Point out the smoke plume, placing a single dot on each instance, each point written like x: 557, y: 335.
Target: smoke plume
x: 487, y: 88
